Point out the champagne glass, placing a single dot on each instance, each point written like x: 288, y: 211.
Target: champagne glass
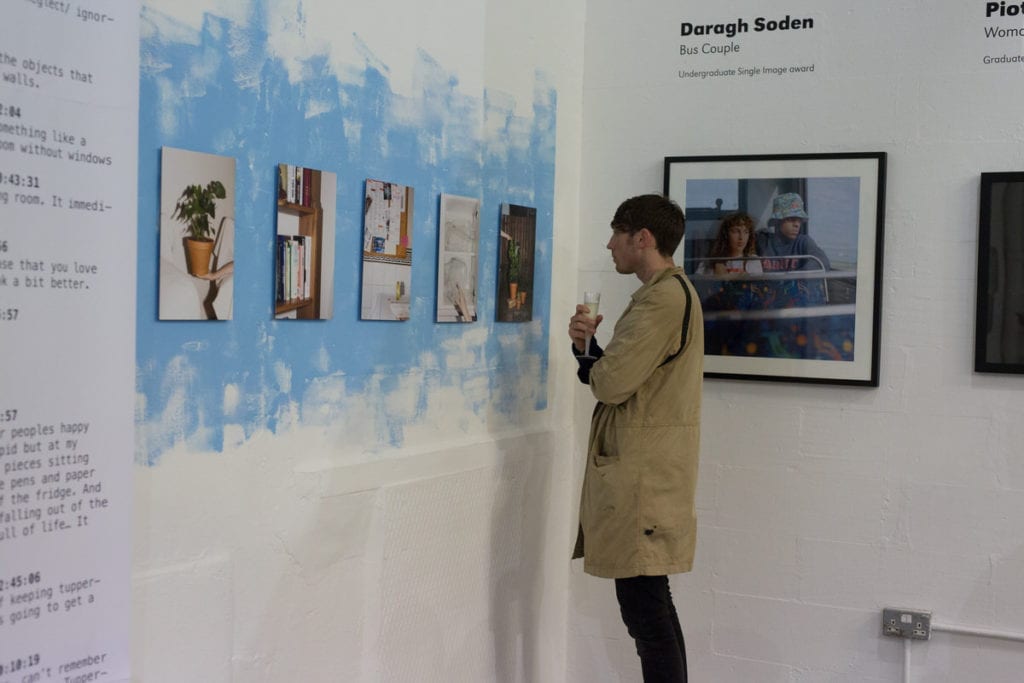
x: 592, y: 300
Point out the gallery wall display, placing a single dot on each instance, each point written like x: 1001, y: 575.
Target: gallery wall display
x: 785, y: 252
x: 197, y: 235
x: 197, y: 246
x: 517, y: 230
x: 387, y: 251
x: 457, y: 259
x: 303, y: 267
x: 999, y: 326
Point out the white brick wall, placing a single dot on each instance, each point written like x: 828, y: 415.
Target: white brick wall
x: 820, y: 505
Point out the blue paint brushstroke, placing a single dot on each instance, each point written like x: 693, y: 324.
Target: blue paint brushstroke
x: 245, y: 106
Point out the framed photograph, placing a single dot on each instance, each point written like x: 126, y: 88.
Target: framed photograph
x: 457, y: 257
x: 999, y: 328
x: 517, y: 233
x: 197, y: 235
x: 304, y: 244
x: 387, y: 251
x: 785, y: 252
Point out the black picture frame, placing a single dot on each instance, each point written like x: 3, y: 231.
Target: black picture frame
x: 813, y: 316
x: 999, y: 324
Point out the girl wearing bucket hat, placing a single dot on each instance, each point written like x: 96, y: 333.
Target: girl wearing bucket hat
x: 789, y: 238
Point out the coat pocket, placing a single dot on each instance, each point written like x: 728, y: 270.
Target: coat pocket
x: 604, y: 460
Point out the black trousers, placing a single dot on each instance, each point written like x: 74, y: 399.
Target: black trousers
x: 651, y: 619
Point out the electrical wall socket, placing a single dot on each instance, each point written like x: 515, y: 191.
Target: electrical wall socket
x: 906, y: 623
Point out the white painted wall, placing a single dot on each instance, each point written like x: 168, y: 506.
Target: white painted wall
x: 820, y: 505
x: 446, y: 560
x: 295, y: 556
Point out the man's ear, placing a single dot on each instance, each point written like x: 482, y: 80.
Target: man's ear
x: 647, y: 238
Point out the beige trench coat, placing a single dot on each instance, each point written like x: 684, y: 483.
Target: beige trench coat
x: 637, y: 513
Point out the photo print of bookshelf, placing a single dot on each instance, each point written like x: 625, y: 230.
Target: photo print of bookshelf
x: 197, y: 235
x: 518, y: 233
x: 457, y: 256
x: 387, y: 251
x: 304, y: 248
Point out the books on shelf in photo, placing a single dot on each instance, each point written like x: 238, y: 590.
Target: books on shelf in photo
x: 291, y: 277
x: 295, y: 184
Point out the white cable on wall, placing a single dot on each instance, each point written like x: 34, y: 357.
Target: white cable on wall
x: 962, y: 631
x: 978, y: 632
x: 906, y: 660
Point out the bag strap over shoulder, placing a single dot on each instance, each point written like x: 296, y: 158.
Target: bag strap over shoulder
x: 686, y: 320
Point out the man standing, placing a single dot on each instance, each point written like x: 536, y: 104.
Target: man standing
x: 637, y: 516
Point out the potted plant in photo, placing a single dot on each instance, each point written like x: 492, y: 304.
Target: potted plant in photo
x: 195, y: 208
x: 513, y: 272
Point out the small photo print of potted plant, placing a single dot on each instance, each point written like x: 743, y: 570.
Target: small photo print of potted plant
x: 518, y: 233
x: 197, y: 235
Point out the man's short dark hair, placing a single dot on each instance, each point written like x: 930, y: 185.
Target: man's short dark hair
x: 660, y: 215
